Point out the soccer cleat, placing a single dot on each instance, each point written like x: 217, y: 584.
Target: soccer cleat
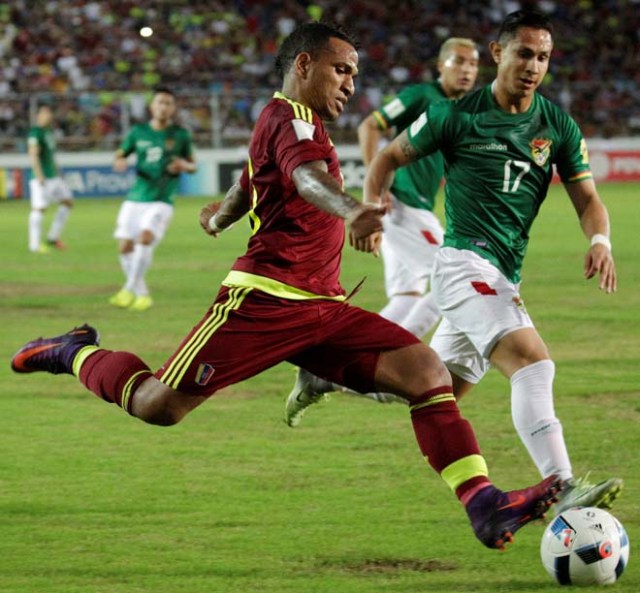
x: 579, y: 492
x: 495, y: 515
x: 123, y: 299
x: 56, y: 244
x: 307, y: 390
x: 54, y: 355
x: 141, y: 303
x: 42, y: 249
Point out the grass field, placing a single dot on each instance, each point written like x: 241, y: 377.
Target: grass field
x: 233, y: 501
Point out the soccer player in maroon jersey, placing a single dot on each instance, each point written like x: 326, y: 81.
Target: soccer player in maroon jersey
x: 282, y: 299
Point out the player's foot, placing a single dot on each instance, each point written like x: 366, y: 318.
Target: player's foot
x: 141, y: 303
x: 56, y: 244
x: 579, y: 492
x: 496, y: 515
x: 123, y: 299
x: 54, y: 355
x: 307, y: 390
x: 41, y: 249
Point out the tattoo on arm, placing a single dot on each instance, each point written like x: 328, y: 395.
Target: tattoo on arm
x: 408, y: 150
x: 319, y: 188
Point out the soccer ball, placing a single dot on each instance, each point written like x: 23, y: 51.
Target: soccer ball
x: 585, y: 546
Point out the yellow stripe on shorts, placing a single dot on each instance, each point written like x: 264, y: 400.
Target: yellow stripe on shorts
x: 178, y: 367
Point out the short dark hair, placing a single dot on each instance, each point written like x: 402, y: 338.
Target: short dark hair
x: 309, y: 37
x: 165, y: 90
x: 523, y: 18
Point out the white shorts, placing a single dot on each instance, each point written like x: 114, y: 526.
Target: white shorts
x: 135, y: 217
x: 479, y: 306
x: 53, y: 191
x: 410, y: 240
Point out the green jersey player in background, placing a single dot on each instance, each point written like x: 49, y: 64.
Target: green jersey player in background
x: 163, y: 150
x: 46, y: 186
x: 412, y: 232
x: 500, y: 144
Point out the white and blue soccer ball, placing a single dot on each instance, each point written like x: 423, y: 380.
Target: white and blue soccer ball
x: 585, y: 546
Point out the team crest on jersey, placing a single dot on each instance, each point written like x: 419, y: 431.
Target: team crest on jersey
x: 540, y: 150
x: 169, y: 143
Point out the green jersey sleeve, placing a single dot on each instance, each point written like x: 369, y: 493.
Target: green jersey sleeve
x: 572, y: 160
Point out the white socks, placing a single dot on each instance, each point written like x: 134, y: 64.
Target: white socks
x: 138, y: 266
x: 59, y: 220
x: 57, y: 225
x: 35, y: 229
x: 535, y: 419
x: 125, y: 263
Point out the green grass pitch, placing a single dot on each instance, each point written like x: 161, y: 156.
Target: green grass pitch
x: 233, y: 501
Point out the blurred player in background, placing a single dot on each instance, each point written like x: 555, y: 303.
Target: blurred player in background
x: 412, y: 232
x: 500, y: 145
x: 46, y: 186
x: 282, y: 299
x: 163, y: 150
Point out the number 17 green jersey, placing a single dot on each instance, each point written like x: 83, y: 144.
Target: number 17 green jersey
x: 498, y: 167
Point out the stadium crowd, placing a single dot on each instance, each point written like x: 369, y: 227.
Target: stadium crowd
x: 89, y: 59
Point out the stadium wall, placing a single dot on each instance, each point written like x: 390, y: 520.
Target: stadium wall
x: 90, y: 174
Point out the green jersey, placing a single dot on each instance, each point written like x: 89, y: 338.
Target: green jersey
x: 43, y: 138
x: 498, y: 167
x: 154, y: 150
x: 416, y: 184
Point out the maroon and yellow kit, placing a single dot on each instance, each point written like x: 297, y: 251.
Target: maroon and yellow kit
x: 282, y: 299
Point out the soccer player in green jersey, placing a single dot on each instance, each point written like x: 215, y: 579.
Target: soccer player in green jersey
x: 412, y: 233
x: 46, y: 187
x: 163, y: 150
x: 500, y: 144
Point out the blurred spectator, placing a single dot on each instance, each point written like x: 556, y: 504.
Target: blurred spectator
x: 69, y: 47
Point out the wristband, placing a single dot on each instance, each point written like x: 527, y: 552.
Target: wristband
x: 602, y: 239
x: 213, y: 226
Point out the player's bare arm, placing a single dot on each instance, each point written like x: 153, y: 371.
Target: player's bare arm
x: 218, y: 216
x: 594, y: 220
x: 380, y: 174
x: 120, y: 161
x: 318, y: 187
x: 182, y: 165
x: 369, y: 136
x: 36, y: 165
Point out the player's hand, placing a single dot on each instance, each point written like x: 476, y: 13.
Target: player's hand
x: 600, y: 261
x: 365, y: 227
x: 205, y: 216
x: 179, y: 165
x: 176, y: 166
x: 120, y: 164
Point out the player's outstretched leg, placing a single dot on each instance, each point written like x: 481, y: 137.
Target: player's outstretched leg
x: 54, y: 355
x: 307, y: 391
x: 579, y: 492
x: 496, y: 516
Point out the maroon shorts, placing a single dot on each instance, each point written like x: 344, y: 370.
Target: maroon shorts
x: 248, y: 331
